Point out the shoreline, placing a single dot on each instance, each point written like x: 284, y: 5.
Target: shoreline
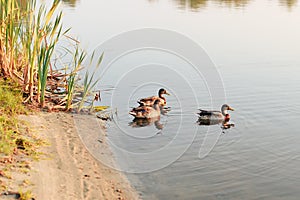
x: 71, y: 171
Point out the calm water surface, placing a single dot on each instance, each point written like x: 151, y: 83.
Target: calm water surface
x: 255, y: 46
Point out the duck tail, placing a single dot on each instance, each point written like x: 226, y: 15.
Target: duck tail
x: 200, y: 112
x: 132, y: 113
x: 141, y: 103
x: 205, y: 112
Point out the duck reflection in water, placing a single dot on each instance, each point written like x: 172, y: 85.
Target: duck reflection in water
x: 165, y: 110
x: 138, y: 122
x: 207, y: 118
x: 226, y: 124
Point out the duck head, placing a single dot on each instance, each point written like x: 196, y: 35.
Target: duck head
x: 162, y: 91
x: 225, y: 108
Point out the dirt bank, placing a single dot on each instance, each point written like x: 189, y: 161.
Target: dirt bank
x: 71, y: 172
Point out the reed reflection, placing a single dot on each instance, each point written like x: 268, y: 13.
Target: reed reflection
x: 71, y: 3
x: 192, y: 4
x: 196, y: 5
x: 288, y: 3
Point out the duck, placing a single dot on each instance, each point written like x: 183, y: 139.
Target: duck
x: 149, y: 101
x: 146, y: 112
x: 214, y: 117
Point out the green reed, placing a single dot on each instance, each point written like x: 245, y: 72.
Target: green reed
x: 29, y: 37
x: 78, y: 58
x: 89, y: 81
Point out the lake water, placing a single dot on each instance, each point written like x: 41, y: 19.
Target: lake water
x: 249, y: 57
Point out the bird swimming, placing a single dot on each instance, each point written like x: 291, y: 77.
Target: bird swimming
x: 214, y: 117
x: 149, y: 101
x: 146, y: 112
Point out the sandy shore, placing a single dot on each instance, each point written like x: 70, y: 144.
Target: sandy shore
x: 71, y: 172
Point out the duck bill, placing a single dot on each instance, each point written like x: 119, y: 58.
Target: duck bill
x: 230, y: 108
x: 167, y: 93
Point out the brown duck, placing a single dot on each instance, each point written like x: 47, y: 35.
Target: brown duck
x: 149, y: 101
x: 146, y: 112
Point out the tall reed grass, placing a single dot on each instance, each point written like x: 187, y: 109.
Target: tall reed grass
x: 29, y: 37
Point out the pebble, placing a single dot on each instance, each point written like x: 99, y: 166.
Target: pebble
x: 119, y: 190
